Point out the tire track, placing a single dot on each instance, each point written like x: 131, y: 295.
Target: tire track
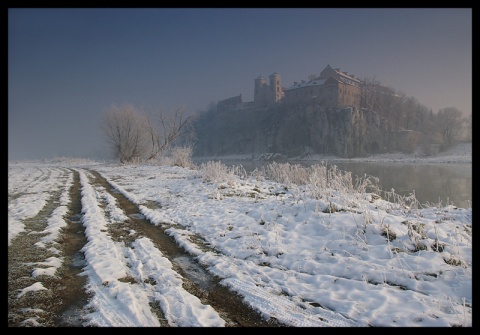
x: 73, y: 239
x: 63, y: 292
x: 29, y: 180
x: 279, y: 308
x: 117, y: 299
x: 22, y: 256
x: 284, y: 309
x: 28, y: 199
x: 228, y: 304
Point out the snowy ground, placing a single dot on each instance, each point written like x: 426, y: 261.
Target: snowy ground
x: 303, y: 255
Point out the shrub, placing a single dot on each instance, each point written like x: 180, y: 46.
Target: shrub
x: 181, y: 156
x: 217, y: 172
x: 176, y: 156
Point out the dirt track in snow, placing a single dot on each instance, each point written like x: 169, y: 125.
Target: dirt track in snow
x: 63, y: 301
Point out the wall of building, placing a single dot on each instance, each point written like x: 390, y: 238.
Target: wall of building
x: 349, y: 95
x: 332, y: 88
x: 276, y: 87
x: 232, y: 103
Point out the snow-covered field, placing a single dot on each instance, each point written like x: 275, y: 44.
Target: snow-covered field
x: 305, y: 255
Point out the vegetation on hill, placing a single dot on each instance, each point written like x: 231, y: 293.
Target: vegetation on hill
x: 302, y: 129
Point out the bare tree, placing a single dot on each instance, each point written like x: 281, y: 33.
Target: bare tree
x: 467, y: 127
x: 165, y: 128
x: 369, y: 93
x: 386, y: 99
x: 137, y: 135
x: 450, y: 124
x: 124, y: 129
x: 409, y: 112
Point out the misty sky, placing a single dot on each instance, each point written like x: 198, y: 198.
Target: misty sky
x: 66, y: 67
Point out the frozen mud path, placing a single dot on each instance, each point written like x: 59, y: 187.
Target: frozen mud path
x: 44, y: 288
x: 195, y: 289
x: 55, y: 281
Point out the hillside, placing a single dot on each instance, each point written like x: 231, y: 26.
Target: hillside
x: 302, y: 130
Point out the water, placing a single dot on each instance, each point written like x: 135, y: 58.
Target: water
x: 432, y: 183
x: 194, y: 272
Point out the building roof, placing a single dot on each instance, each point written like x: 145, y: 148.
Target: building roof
x: 346, y: 78
x: 303, y: 83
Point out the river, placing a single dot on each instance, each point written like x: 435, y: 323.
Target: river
x: 437, y: 183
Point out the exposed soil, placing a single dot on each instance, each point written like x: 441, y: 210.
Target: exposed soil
x: 65, y: 296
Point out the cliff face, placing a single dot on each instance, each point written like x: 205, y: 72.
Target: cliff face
x: 292, y: 131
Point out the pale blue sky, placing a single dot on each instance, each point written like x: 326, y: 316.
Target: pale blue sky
x: 67, y: 66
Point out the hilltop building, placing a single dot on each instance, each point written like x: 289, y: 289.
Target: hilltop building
x: 233, y: 103
x: 332, y: 88
x: 265, y: 95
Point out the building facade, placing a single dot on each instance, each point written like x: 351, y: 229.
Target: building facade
x: 332, y: 88
x: 233, y: 103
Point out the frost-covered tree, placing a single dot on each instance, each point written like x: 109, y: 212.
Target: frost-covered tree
x: 124, y: 128
x: 135, y: 135
x: 450, y: 124
x: 164, y: 128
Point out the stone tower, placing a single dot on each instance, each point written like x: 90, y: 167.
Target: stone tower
x: 266, y: 95
x: 276, y: 87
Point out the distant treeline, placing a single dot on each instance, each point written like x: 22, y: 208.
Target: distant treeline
x: 393, y: 124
